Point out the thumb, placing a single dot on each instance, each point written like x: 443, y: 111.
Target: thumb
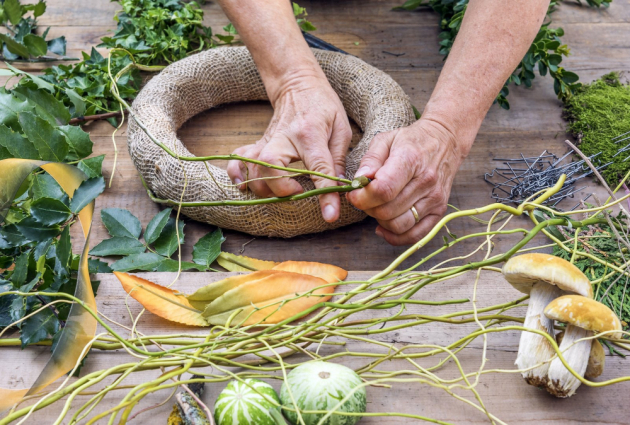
x: 376, y: 155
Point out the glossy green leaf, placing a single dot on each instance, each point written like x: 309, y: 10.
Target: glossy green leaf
x: 120, y: 222
x: 92, y: 167
x: 5, y: 304
x: 77, y: 101
x: 39, y: 9
x: 18, y: 278
x: 98, y: 266
x: 170, y: 265
x: 38, y: 327
x: 10, y: 107
x: 63, y: 252
x: 118, y: 245
x: 36, y: 231
x: 15, y: 47
x: 49, y: 142
x: 44, y: 186
x: 147, y: 261
x: 50, y: 211
x: 78, y: 141
x: 57, y: 45
x: 16, y: 144
x: 13, y: 11
x: 167, y: 244
x: 208, y: 248
x: 156, y: 225
x: 86, y: 193
x: 36, y: 45
x: 45, y: 104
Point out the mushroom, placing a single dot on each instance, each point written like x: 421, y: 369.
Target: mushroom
x: 583, y: 316
x: 596, y: 359
x: 543, y: 277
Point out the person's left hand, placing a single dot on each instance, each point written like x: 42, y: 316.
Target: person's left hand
x: 410, y: 166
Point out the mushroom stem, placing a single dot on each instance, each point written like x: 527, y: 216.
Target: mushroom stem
x: 561, y: 382
x: 533, y: 348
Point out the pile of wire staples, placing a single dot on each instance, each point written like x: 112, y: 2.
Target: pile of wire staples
x: 520, y: 178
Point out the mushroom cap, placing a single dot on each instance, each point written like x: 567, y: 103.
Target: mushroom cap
x: 584, y: 313
x: 523, y: 271
x: 596, y: 358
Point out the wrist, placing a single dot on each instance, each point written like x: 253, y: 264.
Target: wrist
x: 295, y: 76
x: 457, y: 142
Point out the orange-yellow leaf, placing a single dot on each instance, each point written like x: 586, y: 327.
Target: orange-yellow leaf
x: 266, y: 294
x: 205, y: 295
x: 161, y: 301
x: 328, y: 272
x: 240, y: 263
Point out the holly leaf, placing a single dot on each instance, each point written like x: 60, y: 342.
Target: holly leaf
x: 50, y: 211
x: 10, y: 107
x: 147, y: 261
x: 170, y: 265
x: 15, y: 47
x: 16, y: 145
x: 208, y: 248
x: 35, y: 231
x: 39, y: 327
x: 77, y: 102
x: 5, y: 303
x: 118, y: 245
x: 98, y: 266
x: 86, y: 193
x: 20, y: 270
x: 45, y: 104
x: 11, y: 237
x: 36, y: 45
x: 92, y: 167
x: 156, y: 225
x: 39, y: 9
x: 44, y: 186
x: 78, y: 140
x: 120, y: 222
x: 49, y: 142
x: 13, y: 11
x: 167, y: 244
x: 63, y: 252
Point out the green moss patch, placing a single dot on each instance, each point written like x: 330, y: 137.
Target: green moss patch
x: 597, y: 113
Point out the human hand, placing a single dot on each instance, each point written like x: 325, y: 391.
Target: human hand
x: 410, y: 166
x: 309, y: 124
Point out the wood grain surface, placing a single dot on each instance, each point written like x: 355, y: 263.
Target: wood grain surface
x: 505, y: 395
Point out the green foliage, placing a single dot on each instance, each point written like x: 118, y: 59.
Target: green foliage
x: 300, y: 15
x: 597, y: 113
x: 545, y: 53
x: 602, y: 242
x: 21, y: 42
x: 160, y: 242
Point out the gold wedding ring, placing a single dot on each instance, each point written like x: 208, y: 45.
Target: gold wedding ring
x: 414, y: 211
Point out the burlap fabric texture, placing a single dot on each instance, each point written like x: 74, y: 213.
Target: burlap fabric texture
x: 222, y: 75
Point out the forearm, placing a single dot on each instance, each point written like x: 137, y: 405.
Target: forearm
x: 493, y: 39
x: 270, y: 32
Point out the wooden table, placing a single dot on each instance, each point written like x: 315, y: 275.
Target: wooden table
x: 600, y: 42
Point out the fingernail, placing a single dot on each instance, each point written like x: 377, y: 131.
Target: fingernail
x: 329, y: 213
x: 379, y: 233
x: 341, y: 176
x: 362, y: 171
x: 237, y: 181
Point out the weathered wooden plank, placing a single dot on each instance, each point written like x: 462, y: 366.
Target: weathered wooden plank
x: 505, y: 395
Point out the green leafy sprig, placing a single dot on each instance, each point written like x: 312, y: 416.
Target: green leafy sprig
x: 545, y: 53
x: 21, y: 42
x: 160, y: 242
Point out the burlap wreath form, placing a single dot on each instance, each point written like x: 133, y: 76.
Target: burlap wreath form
x: 217, y: 76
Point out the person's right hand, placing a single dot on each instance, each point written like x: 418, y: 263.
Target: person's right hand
x: 309, y: 124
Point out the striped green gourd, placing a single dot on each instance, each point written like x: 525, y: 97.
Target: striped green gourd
x: 321, y: 386
x: 239, y: 404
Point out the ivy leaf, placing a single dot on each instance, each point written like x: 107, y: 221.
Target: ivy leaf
x: 50, y: 143
x: 208, y: 248
x: 44, y: 186
x: 92, y: 167
x: 121, y: 222
x: 36, y: 45
x: 78, y: 140
x: 147, y: 261
x: 39, y: 327
x: 13, y: 11
x: 57, y: 45
x: 167, y: 244
x: 156, y: 225
x: 50, y: 211
x: 15, y: 47
x: 16, y: 144
x: 86, y: 193
x: 35, y: 231
x: 118, y: 245
x: 98, y: 266
x: 170, y: 265
x: 45, y: 104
